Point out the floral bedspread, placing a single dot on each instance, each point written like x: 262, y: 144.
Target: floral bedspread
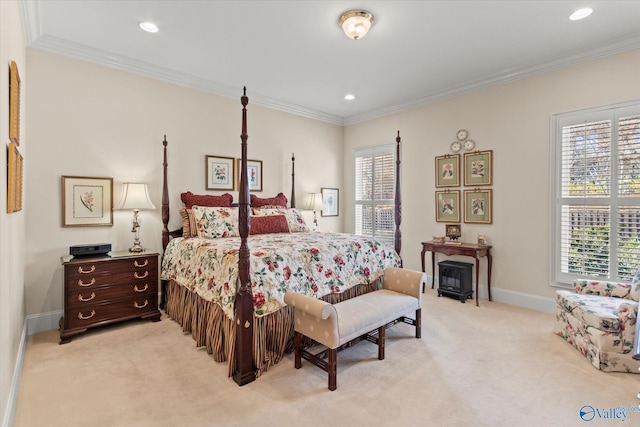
x: 312, y: 263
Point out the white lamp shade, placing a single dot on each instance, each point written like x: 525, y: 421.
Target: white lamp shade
x: 135, y: 196
x: 314, y: 202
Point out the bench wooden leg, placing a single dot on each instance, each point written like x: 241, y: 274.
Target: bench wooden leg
x: 381, y: 338
x: 419, y: 323
x: 297, y: 342
x: 333, y: 368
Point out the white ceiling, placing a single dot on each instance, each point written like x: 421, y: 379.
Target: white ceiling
x: 293, y: 56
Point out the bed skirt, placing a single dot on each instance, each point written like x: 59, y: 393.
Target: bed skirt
x: 210, y: 328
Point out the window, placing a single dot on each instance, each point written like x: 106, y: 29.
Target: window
x: 596, y: 195
x: 375, y: 192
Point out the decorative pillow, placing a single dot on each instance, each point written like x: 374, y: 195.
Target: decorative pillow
x: 189, y: 199
x: 269, y: 224
x: 294, y: 219
x: 280, y: 200
x: 635, y: 287
x: 215, y: 222
x: 188, y: 223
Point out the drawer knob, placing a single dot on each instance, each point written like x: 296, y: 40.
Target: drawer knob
x: 80, y: 298
x: 81, y: 317
x: 81, y: 283
x: 146, y: 286
x: 136, y: 305
x: 82, y: 271
x: 146, y: 273
x: 146, y: 262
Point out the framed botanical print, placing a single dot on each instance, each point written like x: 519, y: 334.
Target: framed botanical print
x: 14, y: 103
x: 448, y: 170
x: 254, y: 172
x: 478, y: 168
x: 219, y: 173
x: 448, y: 206
x: 14, y: 178
x: 87, y: 201
x: 329, y: 202
x: 478, y: 206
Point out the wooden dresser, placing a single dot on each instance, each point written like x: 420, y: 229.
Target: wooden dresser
x: 106, y: 289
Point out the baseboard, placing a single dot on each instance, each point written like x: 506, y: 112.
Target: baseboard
x: 43, y: 322
x: 15, y: 382
x: 520, y: 299
x: 533, y: 302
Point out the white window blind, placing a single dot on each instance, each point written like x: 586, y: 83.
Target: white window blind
x: 375, y: 192
x: 596, y: 209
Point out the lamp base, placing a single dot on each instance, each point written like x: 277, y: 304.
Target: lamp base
x: 136, y: 248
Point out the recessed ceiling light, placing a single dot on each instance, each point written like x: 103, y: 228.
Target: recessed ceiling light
x: 149, y: 27
x: 581, y: 13
x: 349, y: 97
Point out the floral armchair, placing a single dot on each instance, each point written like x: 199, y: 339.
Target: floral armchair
x: 599, y: 319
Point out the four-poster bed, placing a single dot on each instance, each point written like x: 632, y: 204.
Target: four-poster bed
x: 232, y: 301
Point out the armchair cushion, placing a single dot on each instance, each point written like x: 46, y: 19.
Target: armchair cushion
x: 599, y: 288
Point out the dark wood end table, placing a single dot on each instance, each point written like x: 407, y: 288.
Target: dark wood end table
x: 466, y: 249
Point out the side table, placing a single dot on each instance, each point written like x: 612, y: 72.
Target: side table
x: 466, y: 249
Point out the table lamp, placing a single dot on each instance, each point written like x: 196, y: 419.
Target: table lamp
x: 314, y: 204
x: 135, y: 196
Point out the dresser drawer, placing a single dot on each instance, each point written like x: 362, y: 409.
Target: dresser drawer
x: 78, y: 298
x: 83, y: 276
x: 92, y: 314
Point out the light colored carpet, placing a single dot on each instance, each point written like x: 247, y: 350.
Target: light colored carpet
x: 493, y: 365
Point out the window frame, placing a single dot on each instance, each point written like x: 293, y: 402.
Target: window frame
x: 559, y: 121
x: 379, y: 150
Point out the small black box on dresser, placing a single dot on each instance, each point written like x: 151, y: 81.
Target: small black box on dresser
x: 454, y: 279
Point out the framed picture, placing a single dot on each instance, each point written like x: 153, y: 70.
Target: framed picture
x: 14, y: 178
x: 448, y: 170
x: 448, y: 206
x: 219, y: 173
x: 87, y: 201
x: 14, y: 103
x: 329, y: 202
x: 478, y: 206
x: 254, y: 170
x: 478, y: 168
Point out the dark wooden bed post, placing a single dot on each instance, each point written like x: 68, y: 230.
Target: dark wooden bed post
x: 244, y: 372
x: 165, y: 219
x: 397, y: 238
x: 293, y: 180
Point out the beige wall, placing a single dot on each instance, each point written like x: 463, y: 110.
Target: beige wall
x: 12, y: 226
x: 513, y: 120
x: 90, y: 120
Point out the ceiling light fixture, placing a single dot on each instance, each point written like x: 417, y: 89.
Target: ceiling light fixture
x: 356, y: 23
x: 581, y: 14
x: 149, y: 27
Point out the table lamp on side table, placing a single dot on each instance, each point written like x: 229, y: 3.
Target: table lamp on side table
x: 135, y: 196
x: 314, y: 204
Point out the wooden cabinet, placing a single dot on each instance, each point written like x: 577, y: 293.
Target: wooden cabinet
x: 107, y: 289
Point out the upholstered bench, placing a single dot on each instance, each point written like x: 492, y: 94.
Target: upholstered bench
x: 364, y: 317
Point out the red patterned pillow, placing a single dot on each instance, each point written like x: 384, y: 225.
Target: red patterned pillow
x: 189, y: 199
x: 269, y: 224
x: 279, y: 200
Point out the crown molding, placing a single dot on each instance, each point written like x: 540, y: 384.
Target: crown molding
x: 596, y: 52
